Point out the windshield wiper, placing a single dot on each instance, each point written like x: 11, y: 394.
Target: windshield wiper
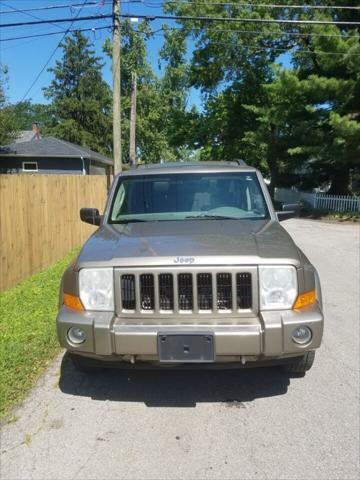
x: 214, y: 217
x: 130, y: 220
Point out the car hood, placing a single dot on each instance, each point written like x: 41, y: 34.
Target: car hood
x: 196, y: 242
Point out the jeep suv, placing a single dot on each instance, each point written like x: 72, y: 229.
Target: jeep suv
x: 190, y: 267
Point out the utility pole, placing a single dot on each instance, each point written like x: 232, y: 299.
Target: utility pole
x: 116, y: 87
x: 132, y: 152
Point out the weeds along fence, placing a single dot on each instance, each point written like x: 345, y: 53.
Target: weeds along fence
x: 39, y: 220
x: 319, y: 201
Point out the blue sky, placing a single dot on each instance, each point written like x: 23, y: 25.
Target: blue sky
x: 25, y: 58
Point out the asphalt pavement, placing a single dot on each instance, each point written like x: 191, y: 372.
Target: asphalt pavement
x: 247, y: 424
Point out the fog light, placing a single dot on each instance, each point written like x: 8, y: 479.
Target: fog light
x: 76, y: 335
x: 302, y: 335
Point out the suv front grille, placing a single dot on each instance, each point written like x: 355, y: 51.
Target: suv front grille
x: 166, y: 291
x: 128, y: 292
x: 224, y: 291
x: 204, y: 292
x: 243, y: 290
x: 185, y: 286
x: 147, y: 296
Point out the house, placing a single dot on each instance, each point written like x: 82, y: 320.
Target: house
x: 50, y: 155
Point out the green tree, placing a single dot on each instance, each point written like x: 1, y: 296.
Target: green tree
x: 300, y: 125
x: 26, y: 113
x: 81, y: 99
x: 153, y: 142
x: 8, y: 126
x: 181, y: 124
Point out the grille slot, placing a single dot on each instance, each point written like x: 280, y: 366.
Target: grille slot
x: 204, y: 291
x: 224, y: 291
x: 243, y: 290
x: 128, y: 292
x: 185, y: 289
x: 147, y: 296
x: 166, y: 291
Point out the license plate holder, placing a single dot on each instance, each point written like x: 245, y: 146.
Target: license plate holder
x: 186, y: 347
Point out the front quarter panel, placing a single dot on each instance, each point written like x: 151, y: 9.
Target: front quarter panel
x: 69, y: 282
x: 310, y: 278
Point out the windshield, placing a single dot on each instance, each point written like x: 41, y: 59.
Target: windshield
x: 188, y: 196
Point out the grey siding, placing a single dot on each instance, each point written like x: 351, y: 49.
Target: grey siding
x: 57, y: 166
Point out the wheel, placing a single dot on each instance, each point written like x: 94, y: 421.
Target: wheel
x: 83, y: 364
x: 301, y: 364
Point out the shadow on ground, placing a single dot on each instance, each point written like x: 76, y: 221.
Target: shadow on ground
x: 174, y: 388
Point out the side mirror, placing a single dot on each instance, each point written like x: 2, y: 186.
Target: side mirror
x: 288, y: 211
x: 90, y: 215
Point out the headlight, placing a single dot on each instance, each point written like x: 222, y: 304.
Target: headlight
x: 96, y: 286
x: 278, y: 287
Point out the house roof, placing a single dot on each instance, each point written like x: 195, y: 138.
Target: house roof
x: 52, y: 147
x: 25, y: 136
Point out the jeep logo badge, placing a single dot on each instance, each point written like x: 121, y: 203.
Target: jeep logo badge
x: 186, y: 260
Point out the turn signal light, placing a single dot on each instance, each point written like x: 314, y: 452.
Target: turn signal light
x: 73, y: 302
x: 305, y: 299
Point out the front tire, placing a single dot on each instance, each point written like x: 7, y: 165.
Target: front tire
x: 302, y: 364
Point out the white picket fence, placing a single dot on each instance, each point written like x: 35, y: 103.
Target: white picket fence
x: 321, y: 201
x: 337, y: 203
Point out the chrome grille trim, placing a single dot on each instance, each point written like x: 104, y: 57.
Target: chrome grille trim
x: 216, y: 310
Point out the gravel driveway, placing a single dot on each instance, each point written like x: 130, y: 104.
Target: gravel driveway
x: 247, y: 424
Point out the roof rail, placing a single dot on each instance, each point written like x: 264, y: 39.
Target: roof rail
x: 240, y: 162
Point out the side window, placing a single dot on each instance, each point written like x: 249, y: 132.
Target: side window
x: 254, y: 198
x: 119, y: 200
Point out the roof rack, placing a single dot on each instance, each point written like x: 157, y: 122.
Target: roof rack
x: 240, y: 162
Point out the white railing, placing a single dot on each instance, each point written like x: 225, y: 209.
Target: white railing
x: 337, y: 203
x: 320, y: 201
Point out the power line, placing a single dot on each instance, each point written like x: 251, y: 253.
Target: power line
x: 56, y: 20
x: 54, y: 7
x: 241, y: 20
x: 250, y: 5
x: 264, y: 34
x: 16, y: 10
x: 187, y: 18
x: 50, y: 58
x: 256, y: 47
x: 193, y: 29
x: 71, y: 6
x: 151, y: 4
x: 55, y: 33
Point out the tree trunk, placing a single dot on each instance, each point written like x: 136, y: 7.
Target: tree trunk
x: 340, y: 182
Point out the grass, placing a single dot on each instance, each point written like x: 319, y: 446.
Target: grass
x: 27, y: 332
x: 343, y: 216
x: 333, y: 216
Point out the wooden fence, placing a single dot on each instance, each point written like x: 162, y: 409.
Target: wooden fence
x: 39, y: 220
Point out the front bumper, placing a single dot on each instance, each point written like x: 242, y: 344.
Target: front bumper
x: 266, y: 337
